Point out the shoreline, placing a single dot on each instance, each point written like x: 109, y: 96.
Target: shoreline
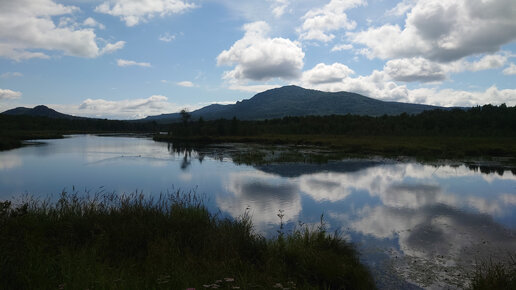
x: 502, y: 150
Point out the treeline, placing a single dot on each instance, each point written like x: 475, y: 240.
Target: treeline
x: 14, y: 129
x: 31, y: 123
x: 483, y: 121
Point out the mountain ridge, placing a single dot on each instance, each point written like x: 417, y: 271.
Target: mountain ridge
x: 275, y: 103
x: 297, y: 101
x: 38, y: 111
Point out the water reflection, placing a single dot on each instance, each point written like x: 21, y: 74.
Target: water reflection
x: 263, y: 195
x: 8, y: 161
x: 440, y: 220
x: 429, y: 222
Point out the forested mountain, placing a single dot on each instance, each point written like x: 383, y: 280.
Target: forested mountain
x: 297, y: 101
x: 487, y: 120
x: 38, y: 111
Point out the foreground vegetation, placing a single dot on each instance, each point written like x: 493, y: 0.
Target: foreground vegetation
x: 491, y: 275
x: 173, y: 242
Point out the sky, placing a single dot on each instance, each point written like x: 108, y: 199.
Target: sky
x: 127, y: 59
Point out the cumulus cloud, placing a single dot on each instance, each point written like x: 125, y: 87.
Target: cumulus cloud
x: 485, y: 63
x: 259, y: 57
x: 11, y: 75
x: 6, y: 94
x: 133, y: 12
x: 450, y: 97
x: 251, y: 88
x: 28, y: 31
x: 380, y: 85
x: 443, y: 31
x: 319, y: 22
x: 510, y: 70
x: 125, y: 109
x: 415, y: 69
x: 336, y: 77
x: 423, y: 70
x: 323, y: 73
x: 124, y: 62
x: 187, y: 84
x: 93, y: 23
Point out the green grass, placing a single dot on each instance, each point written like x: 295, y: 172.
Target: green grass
x: 108, y: 241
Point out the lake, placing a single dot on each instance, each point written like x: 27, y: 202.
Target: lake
x: 416, y: 225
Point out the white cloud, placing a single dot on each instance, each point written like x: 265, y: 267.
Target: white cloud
x: 259, y: 57
x: 318, y: 23
x: 511, y: 70
x: 93, y: 23
x: 415, y: 69
x: 132, y: 12
x: 279, y: 6
x: 401, y: 8
x: 28, y: 31
x: 167, y: 37
x: 336, y: 77
x: 340, y: 47
x: 11, y: 75
x: 379, y: 85
x: 251, y: 88
x: 125, y: 109
x: 449, y: 97
x: 112, y: 47
x: 123, y: 63
x: 187, y: 84
x: 323, y: 73
x: 6, y: 94
x: 486, y: 62
x: 443, y: 31
x: 422, y: 70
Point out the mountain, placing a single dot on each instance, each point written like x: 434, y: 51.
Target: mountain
x: 38, y: 111
x: 297, y: 101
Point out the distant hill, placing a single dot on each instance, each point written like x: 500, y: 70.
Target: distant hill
x: 38, y: 111
x: 297, y: 101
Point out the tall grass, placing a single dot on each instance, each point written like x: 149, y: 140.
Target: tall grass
x: 109, y: 241
x: 495, y: 275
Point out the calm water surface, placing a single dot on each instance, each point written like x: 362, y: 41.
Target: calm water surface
x: 416, y: 225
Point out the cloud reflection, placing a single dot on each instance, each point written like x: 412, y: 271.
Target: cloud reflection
x: 10, y: 162
x: 264, y: 195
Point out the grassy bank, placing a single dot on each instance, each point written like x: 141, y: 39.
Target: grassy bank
x: 425, y: 147
x: 133, y: 242
x: 14, y: 139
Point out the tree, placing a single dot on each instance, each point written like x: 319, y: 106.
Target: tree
x: 185, y: 116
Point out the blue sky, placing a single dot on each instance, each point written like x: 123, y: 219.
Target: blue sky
x: 131, y: 58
